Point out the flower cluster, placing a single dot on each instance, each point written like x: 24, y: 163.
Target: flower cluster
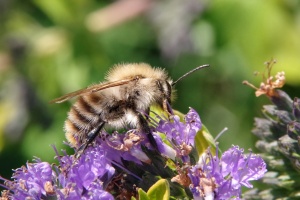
x: 279, y: 135
x: 118, y: 165
x: 72, y: 179
x: 180, y: 135
x: 222, y: 178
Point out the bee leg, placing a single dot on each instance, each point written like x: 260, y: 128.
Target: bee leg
x: 144, y: 127
x: 147, y: 113
x: 167, y: 108
x: 166, y: 90
x: 90, y: 138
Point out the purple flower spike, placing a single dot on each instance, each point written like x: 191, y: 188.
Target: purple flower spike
x: 242, y: 168
x: 33, y: 181
x: 180, y: 135
x: 86, y: 171
x: 224, y: 177
x: 73, y: 179
x: 117, y: 164
x: 193, y: 125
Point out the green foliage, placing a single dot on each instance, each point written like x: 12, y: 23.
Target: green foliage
x: 158, y: 191
x: 204, y: 140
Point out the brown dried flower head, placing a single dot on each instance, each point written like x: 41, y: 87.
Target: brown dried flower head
x: 270, y: 83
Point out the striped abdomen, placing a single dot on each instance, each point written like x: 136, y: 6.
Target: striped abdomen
x: 83, y: 117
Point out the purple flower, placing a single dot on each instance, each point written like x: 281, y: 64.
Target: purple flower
x: 72, y: 179
x: 122, y: 162
x: 180, y: 135
x: 242, y: 168
x: 95, y: 192
x: 88, y: 173
x: 33, y: 181
x: 127, y: 146
x: 222, y: 178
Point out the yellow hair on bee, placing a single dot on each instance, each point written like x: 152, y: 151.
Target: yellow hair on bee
x: 122, y: 71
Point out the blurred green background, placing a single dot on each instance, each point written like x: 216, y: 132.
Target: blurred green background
x: 50, y: 48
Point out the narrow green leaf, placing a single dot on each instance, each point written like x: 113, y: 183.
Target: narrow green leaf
x: 203, y: 140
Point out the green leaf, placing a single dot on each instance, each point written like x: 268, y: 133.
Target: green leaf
x: 143, y: 195
x: 159, y: 191
x: 157, y: 110
x: 203, y: 140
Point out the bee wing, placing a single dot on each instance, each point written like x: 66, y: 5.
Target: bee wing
x: 91, y: 89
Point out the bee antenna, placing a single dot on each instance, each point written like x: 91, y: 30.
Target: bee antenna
x: 188, y: 73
